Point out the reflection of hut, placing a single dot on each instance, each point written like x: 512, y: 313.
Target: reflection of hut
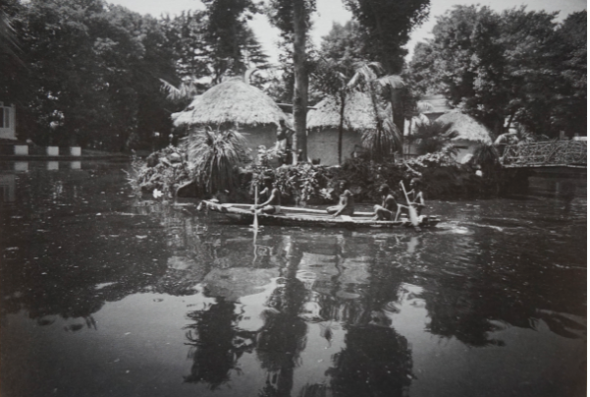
x: 323, y: 123
x: 470, y: 134
x: 235, y: 103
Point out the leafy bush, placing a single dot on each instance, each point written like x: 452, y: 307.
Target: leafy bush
x: 162, y: 172
x: 301, y: 183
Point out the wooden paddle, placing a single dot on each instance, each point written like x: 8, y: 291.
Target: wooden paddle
x: 412, y: 213
x: 255, y: 224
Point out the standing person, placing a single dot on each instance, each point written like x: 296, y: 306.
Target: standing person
x: 272, y: 206
x: 416, y: 194
x: 389, y: 204
x: 415, y: 197
x: 346, y: 204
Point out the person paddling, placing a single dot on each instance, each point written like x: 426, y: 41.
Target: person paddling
x: 389, y: 204
x: 415, y: 197
x: 346, y: 204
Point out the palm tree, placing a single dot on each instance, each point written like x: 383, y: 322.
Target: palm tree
x: 486, y: 155
x: 333, y: 81
x: 215, y: 155
x: 386, y: 137
x: 431, y: 138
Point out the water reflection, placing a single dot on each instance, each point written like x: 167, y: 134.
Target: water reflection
x: 21, y: 166
x: 301, y: 312
x: 7, y: 187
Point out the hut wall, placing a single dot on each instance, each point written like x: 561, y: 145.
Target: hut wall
x: 323, y: 145
x: 259, y: 135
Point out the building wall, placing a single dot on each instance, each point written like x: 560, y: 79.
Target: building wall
x: 7, y: 121
x: 259, y: 135
x: 323, y: 145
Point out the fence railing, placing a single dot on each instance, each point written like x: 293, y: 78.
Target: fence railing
x: 545, y: 154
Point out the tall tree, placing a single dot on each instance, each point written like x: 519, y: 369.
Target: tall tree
x: 292, y: 17
x: 93, y: 70
x: 387, y: 25
x: 232, y: 42
x: 571, y: 110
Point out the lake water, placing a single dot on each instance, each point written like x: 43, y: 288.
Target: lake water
x: 102, y: 294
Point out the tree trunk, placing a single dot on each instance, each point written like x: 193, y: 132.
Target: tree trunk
x: 341, y: 126
x: 397, y: 112
x: 301, y: 82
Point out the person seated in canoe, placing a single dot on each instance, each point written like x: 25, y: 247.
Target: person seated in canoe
x: 389, y: 205
x: 272, y: 206
x: 415, y: 197
x: 346, y: 204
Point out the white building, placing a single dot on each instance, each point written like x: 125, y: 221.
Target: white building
x: 7, y: 121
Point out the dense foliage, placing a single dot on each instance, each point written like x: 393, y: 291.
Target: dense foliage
x: 386, y: 27
x: 164, y: 172
x: 515, y: 66
x: 89, y: 73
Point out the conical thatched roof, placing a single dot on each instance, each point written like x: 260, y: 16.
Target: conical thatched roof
x: 358, y: 113
x: 232, y: 101
x: 466, y: 127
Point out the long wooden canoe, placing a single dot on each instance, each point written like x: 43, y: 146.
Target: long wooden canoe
x: 294, y: 216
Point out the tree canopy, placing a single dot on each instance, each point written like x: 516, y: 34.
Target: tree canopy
x: 90, y: 73
x: 514, y: 66
x: 386, y: 27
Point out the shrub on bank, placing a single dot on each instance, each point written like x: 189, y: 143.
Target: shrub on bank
x: 161, y: 173
x: 165, y: 171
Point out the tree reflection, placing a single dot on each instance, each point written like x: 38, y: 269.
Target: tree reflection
x: 375, y: 362
x: 283, y: 336
x: 215, y: 343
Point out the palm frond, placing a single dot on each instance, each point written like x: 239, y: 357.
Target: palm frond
x: 186, y: 90
x: 392, y: 81
x: 365, y: 73
x: 432, y: 138
x: 486, y: 155
x: 383, y: 141
x: 215, y: 155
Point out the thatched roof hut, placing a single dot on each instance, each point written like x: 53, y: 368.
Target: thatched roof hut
x: 231, y: 102
x: 358, y: 113
x: 466, y: 127
x: 323, y: 124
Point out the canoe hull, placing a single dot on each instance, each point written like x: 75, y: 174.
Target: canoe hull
x: 301, y: 217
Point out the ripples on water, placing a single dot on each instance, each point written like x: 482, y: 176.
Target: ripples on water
x: 104, y: 294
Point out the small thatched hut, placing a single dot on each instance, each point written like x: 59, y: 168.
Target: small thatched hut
x: 433, y: 106
x: 234, y: 103
x: 470, y: 134
x: 323, y: 127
